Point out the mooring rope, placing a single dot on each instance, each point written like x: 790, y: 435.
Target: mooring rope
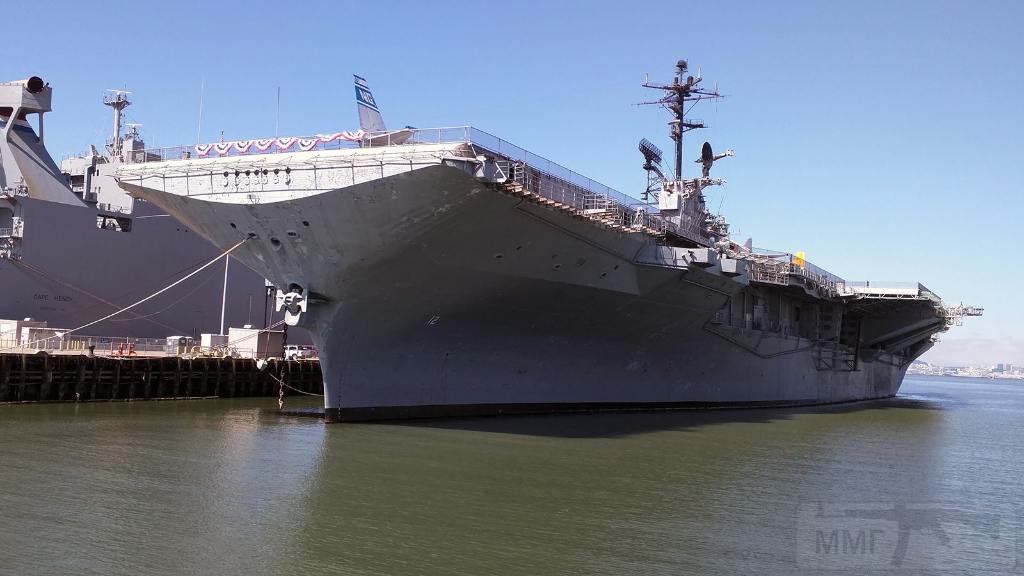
x: 281, y: 382
x: 45, y: 275
x: 146, y: 299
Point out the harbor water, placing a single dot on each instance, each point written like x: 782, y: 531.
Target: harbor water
x: 232, y: 487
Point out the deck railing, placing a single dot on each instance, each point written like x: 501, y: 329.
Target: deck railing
x: 537, y: 173
x: 541, y: 176
x: 776, y: 267
x: 444, y: 135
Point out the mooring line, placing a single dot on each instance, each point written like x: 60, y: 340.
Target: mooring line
x: 281, y: 382
x: 146, y: 299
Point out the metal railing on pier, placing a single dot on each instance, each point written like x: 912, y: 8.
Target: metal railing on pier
x: 100, y: 345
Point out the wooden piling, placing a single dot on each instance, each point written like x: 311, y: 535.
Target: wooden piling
x: 5, y: 375
x: 44, y: 377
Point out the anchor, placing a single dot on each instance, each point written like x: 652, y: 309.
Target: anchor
x: 293, y: 303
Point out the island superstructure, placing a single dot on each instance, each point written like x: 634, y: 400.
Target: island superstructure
x: 446, y: 271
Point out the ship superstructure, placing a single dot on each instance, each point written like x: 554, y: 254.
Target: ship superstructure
x: 74, y: 247
x: 446, y: 271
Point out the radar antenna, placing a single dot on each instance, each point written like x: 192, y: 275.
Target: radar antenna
x: 118, y: 100
x: 681, y: 200
x: 683, y: 89
x: 652, y: 164
x: 708, y: 158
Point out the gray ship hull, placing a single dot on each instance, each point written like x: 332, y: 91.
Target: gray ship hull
x: 69, y: 272
x: 431, y: 293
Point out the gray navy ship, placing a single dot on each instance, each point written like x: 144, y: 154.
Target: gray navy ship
x: 74, y: 247
x: 448, y: 272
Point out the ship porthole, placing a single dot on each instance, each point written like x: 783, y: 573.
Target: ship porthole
x: 232, y: 224
x: 499, y: 256
x: 305, y: 223
x: 292, y: 234
x: 275, y: 243
x: 557, y: 266
x: 604, y: 274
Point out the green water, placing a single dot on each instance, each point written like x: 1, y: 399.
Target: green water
x: 231, y: 487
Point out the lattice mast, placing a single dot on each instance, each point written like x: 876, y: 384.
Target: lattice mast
x: 683, y: 90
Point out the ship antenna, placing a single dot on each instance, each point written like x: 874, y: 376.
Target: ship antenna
x: 277, y: 111
x: 118, y: 100
x: 682, y: 90
x: 652, y: 164
x: 199, y: 126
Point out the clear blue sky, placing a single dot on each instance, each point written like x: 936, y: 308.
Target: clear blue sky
x: 883, y: 138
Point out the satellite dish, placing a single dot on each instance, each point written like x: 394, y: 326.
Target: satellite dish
x: 707, y: 155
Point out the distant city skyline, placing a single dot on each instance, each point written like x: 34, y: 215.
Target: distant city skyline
x: 883, y: 139
x: 999, y: 371
x: 975, y: 351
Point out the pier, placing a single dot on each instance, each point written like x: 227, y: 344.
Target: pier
x: 45, y: 377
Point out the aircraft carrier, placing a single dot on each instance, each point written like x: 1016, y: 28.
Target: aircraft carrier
x: 75, y: 247
x: 448, y: 272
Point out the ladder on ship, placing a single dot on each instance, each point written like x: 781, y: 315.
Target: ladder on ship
x: 840, y: 353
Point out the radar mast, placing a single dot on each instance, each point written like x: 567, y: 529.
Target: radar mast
x: 684, y: 89
x: 118, y: 100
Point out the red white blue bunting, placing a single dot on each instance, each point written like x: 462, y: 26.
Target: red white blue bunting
x: 350, y: 136
x: 285, y: 143
x: 281, y: 144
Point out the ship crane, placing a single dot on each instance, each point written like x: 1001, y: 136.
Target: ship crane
x: 954, y: 315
